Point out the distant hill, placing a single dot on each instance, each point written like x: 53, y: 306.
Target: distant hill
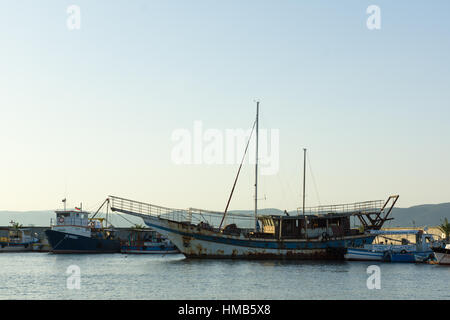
x: 422, y: 215
x: 416, y: 216
x: 27, y: 218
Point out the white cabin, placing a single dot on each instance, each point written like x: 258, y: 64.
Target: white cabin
x: 72, y: 222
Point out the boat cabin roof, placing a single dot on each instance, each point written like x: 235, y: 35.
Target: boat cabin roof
x: 302, y: 217
x: 68, y: 212
x: 72, y: 214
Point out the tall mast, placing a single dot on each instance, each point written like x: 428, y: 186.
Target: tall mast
x: 304, y: 178
x: 256, y: 165
x: 304, y: 190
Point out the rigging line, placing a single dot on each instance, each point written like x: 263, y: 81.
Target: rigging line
x: 314, y: 181
x: 126, y: 219
x: 237, y: 176
x: 65, y: 237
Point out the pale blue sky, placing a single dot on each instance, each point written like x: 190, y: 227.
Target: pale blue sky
x: 90, y: 112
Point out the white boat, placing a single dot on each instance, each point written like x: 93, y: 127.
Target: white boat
x: 442, y: 255
x: 421, y: 251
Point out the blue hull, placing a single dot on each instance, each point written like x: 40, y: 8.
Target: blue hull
x: 369, y: 255
x: 62, y: 242
x: 411, y: 257
x: 406, y: 257
x: 149, y: 249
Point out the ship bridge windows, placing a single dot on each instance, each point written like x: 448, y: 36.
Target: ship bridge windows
x: 63, y: 214
x: 72, y: 218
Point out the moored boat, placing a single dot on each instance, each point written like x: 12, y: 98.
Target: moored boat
x: 420, y: 251
x: 322, y: 232
x: 16, y: 239
x: 162, y: 247
x: 321, y: 236
x: 147, y: 242
x: 75, y: 232
x: 442, y: 255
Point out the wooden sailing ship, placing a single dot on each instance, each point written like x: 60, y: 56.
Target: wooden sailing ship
x: 322, y: 232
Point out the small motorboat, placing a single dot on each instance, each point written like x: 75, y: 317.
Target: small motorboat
x: 147, y: 241
x: 421, y: 251
x: 163, y: 247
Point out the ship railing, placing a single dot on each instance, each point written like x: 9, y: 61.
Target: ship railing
x: 191, y: 215
x: 357, y: 207
x: 141, y: 208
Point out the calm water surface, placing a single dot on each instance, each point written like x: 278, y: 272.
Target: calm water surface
x: 116, y: 276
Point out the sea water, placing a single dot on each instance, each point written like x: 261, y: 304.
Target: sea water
x: 37, y: 276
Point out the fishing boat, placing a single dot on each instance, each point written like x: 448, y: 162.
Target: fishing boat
x: 74, y: 232
x: 442, y: 255
x: 147, y: 242
x: 16, y: 239
x: 420, y: 251
x: 149, y: 247
x: 322, y: 232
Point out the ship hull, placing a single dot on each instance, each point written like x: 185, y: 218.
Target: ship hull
x: 62, y: 242
x: 194, y: 242
x: 442, y: 258
x: 360, y: 254
x: 363, y: 255
x: 149, y: 250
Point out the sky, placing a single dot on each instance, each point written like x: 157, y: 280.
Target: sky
x: 91, y: 112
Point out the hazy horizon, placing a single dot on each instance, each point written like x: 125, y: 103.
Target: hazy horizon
x: 93, y: 208
x: 92, y: 112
